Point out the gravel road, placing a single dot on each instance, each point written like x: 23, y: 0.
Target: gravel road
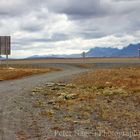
x: 15, y: 113
x: 16, y: 119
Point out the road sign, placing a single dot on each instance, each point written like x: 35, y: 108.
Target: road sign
x: 5, y: 45
x: 83, y: 56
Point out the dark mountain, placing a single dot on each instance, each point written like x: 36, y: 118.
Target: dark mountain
x: 129, y: 51
x: 102, y: 52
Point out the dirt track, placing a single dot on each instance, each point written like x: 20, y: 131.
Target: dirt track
x: 15, y: 113
x: 16, y: 119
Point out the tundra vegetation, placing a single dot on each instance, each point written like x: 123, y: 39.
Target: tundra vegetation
x: 103, y: 100
x: 20, y: 71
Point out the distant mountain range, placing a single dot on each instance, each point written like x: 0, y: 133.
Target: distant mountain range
x: 55, y: 56
x: 128, y: 51
x: 102, y: 52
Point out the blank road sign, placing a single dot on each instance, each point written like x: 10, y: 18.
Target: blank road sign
x: 5, y: 45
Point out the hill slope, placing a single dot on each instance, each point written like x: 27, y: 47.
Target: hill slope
x: 102, y: 52
x: 129, y: 51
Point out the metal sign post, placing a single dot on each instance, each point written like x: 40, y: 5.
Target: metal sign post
x: 5, y: 47
x: 139, y: 52
x: 7, y: 64
x: 83, y: 56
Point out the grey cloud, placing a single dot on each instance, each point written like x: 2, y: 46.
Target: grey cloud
x: 123, y: 18
x: 28, y: 41
x: 86, y: 19
x: 55, y: 38
x: 60, y: 37
x: 77, y: 8
x: 91, y: 35
x: 83, y: 9
x: 18, y: 7
x: 32, y: 27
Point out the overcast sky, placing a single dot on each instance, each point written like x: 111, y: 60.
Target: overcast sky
x: 41, y: 27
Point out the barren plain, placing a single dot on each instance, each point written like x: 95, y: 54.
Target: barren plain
x: 76, y: 99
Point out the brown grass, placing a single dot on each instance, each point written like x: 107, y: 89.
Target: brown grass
x: 102, y: 100
x: 70, y: 60
x: 126, y: 78
x: 17, y: 72
x: 113, y: 95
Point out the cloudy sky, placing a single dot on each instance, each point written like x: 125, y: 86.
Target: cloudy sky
x: 41, y: 27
